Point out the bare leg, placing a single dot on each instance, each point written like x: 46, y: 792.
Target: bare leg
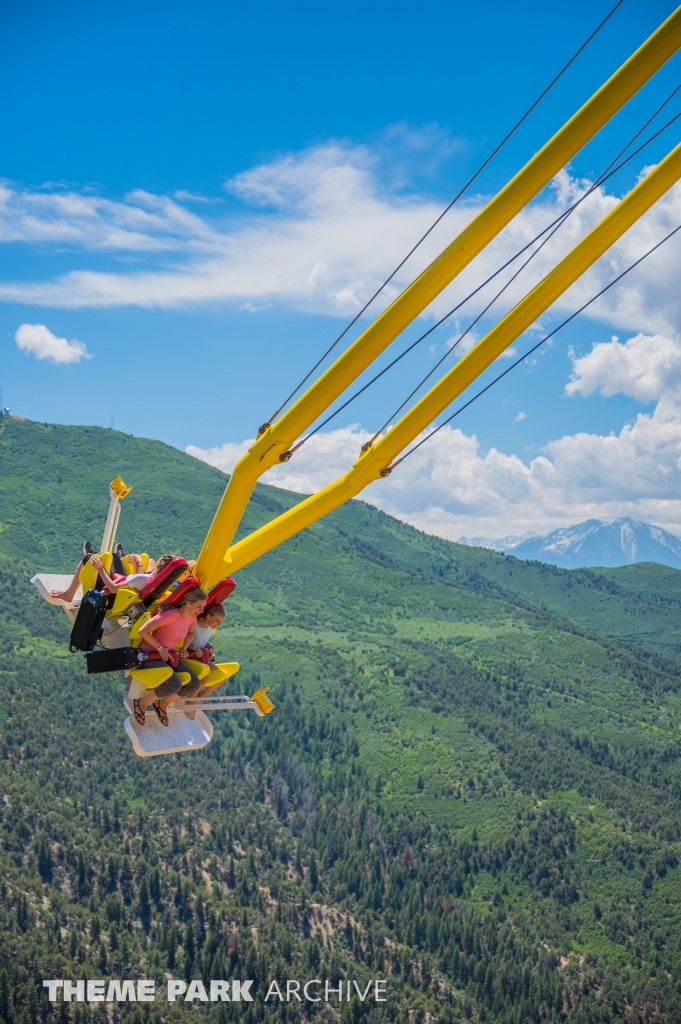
x: 209, y: 690
x: 147, y: 698
x: 164, y: 694
x: 69, y: 593
x: 167, y: 701
x: 211, y: 687
x: 189, y: 689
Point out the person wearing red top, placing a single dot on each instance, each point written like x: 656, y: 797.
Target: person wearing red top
x: 165, y: 632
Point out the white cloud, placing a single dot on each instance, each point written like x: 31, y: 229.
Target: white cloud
x: 644, y: 367
x: 39, y: 341
x: 193, y: 197
x: 521, y: 416
x: 451, y: 487
x: 326, y: 237
x: 224, y: 456
x: 142, y: 222
x: 318, y: 231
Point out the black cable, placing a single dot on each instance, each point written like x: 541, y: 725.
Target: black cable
x: 386, y: 472
x: 446, y: 210
x: 561, y: 220
x: 605, y: 175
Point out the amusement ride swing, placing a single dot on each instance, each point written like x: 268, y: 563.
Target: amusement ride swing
x: 106, y: 626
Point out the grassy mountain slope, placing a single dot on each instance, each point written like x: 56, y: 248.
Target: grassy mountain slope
x: 635, y: 604
x: 471, y: 784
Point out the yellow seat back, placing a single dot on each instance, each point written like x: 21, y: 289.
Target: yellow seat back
x: 124, y: 599
x: 131, y: 568
x: 135, y: 638
x: 88, y: 574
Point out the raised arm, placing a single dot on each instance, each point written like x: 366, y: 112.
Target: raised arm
x: 106, y: 579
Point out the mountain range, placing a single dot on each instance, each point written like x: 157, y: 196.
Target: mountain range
x: 592, y: 543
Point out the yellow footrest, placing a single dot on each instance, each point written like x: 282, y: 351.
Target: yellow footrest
x: 263, y: 701
x: 152, y: 677
x: 214, y: 678
x: 229, y: 668
x: 222, y: 671
x: 199, y: 668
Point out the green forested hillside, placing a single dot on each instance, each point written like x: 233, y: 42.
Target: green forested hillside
x: 471, y: 785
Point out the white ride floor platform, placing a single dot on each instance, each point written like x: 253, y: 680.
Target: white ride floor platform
x: 47, y: 581
x: 179, y: 736
x: 181, y: 733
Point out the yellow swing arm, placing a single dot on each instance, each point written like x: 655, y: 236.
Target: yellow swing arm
x: 373, y: 463
x: 278, y: 437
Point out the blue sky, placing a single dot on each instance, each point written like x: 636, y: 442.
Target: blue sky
x: 203, y: 194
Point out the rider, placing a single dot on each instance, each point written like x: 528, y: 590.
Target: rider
x: 169, y: 633
x: 201, y: 648
x: 68, y: 594
x: 136, y: 581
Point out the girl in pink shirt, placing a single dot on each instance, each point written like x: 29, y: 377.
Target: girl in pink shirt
x: 172, y: 629
x: 166, y: 632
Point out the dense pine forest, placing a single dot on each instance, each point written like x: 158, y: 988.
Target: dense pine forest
x: 470, y: 787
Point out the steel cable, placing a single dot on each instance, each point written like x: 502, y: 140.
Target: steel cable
x: 561, y: 220
x: 605, y: 175
x: 446, y: 210
x: 521, y: 359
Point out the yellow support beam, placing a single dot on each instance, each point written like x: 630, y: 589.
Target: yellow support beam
x: 280, y: 436
x: 376, y: 460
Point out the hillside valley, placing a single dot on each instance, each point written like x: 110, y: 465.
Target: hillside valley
x: 471, y: 784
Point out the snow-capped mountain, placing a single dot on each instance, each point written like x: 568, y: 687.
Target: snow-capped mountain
x: 592, y: 543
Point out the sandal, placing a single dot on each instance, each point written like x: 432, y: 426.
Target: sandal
x: 162, y: 716
x: 138, y: 712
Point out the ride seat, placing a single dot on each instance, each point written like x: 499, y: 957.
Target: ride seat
x: 221, y: 591
x: 152, y: 677
x: 89, y: 575
x: 156, y: 587
x: 130, y: 566
x: 198, y: 668
x: 191, y: 583
x: 222, y: 671
x: 125, y: 597
x: 135, y: 638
